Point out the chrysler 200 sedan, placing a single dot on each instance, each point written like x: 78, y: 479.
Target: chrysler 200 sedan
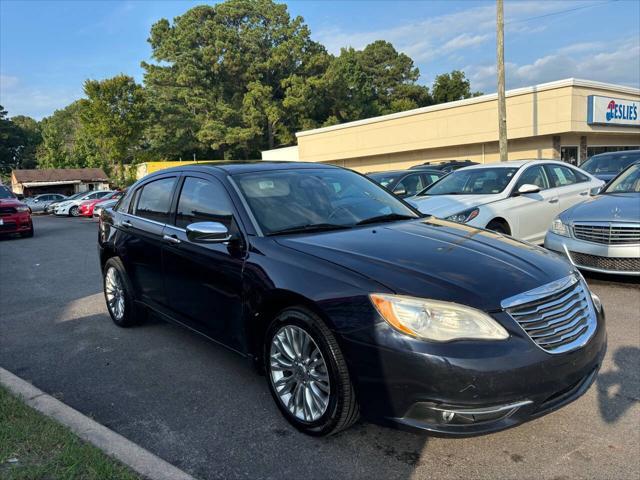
x: 350, y: 300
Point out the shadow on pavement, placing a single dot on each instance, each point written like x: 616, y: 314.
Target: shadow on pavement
x: 617, y: 390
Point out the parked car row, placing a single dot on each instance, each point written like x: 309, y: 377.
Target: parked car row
x: 351, y: 301
x: 526, y: 199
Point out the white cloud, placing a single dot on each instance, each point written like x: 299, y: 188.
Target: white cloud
x: 19, y: 99
x: 440, y: 36
x: 7, y: 82
x: 618, y: 62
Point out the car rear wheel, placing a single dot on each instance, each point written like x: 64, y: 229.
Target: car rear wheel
x: 118, y: 294
x: 307, y: 374
x: 74, y: 211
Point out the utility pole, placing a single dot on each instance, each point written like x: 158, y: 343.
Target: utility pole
x: 502, y: 106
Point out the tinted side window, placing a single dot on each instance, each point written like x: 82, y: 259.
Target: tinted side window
x: 412, y: 184
x: 560, y: 176
x: 154, y: 200
x: 580, y: 176
x: 533, y: 176
x: 203, y: 201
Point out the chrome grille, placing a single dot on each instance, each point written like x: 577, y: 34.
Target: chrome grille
x: 558, y: 317
x: 608, y: 233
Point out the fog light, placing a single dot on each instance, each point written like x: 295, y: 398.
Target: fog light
x: 447, y: 416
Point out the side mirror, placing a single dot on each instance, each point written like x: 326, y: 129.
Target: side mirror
x: 595, y: 191
x: 36, y: 200
x: 400, y: 192
x: 528, y: 188
x: 208, y: 232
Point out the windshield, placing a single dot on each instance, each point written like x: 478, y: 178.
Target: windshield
x: 475, y: 181
x: 6, y: 193
x: 285, y: 201
x: 613, y: 164
x: 627, y: 182
x: 74, y: 196
x: 384, y: 178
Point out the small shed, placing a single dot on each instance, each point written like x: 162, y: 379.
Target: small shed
x: 66, y: 181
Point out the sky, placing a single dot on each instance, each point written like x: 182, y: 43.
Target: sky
x: 49, y: 48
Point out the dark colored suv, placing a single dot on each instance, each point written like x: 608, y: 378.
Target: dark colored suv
x: 446, y: 167
x: 350, y: 300
x: 606, y: 166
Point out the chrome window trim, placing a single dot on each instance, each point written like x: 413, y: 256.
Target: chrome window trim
x: 143, y: 219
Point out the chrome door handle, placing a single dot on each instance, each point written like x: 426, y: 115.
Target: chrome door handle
x: 553, y: 200
x: 584, y: 193
x: 171, y: 239
x: 127, y: 224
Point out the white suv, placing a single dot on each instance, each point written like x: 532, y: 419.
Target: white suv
x: 519, y: 198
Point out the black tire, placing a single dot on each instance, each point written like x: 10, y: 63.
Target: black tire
x: 28, y: 233
x: 133, y: 314
x: 342, y: 410
x: 74, y: 211
x: 497, y: 227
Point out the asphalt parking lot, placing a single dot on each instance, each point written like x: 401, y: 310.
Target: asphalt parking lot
x: 203, y: 409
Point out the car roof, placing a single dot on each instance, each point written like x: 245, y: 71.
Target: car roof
x: 619, y: 153
x: 512, y: 164
x: 233, y: 167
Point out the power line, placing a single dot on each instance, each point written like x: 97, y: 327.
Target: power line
x: 560, y: 12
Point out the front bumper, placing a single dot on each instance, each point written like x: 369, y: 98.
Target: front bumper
x: 595, y: 257
x: 402, y: 381
x: 16, y: 223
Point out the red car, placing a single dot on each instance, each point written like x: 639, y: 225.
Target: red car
x: 15, y: 216
x: 86, y: 207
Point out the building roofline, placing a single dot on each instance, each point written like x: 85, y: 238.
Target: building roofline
x: 567, y: 82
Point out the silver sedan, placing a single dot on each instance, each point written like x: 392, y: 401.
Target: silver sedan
x: 603, y: 233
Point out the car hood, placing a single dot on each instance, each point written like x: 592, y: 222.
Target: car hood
x: 611, y: 207
x: 432, y: 258
x: 444, y: 205
x: 10, y: 202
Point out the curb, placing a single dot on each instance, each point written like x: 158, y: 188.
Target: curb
x: 113, y: 444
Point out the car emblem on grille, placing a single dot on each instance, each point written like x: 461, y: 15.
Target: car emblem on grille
x: 616, y: 212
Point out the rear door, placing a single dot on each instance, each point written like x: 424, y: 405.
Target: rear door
x: 143, y: 226
x: 570, y: 185
x: 534, y: 211
x: 204, y: 280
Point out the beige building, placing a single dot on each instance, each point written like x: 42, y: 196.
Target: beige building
x: 568, y: 119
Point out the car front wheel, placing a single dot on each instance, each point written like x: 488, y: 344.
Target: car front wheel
x: 74, y: 211
x: 307, y: 374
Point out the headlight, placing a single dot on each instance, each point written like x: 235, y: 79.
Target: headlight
x: 435, y: 320
x: 559, y: 228
x: 22, y: 208
x: 464, y: 217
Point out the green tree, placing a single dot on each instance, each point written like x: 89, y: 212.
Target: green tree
x: 450, y: 87
x: 216, y: 62
x: 113, y: 118
x: 10, y: 139
x: 61, y: 145
x: 30, y: 140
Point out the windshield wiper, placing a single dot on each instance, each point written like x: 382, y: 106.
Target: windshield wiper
x: 310, y: 227
x: 389, y: 217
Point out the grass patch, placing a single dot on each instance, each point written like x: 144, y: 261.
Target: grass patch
x: 33, y: 446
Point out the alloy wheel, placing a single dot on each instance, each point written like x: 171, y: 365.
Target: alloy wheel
x: 298, y: 373
x: 115, y: 293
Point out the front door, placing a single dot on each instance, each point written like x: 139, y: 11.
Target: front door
x: 535, y: 211
x: 204, y: 280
